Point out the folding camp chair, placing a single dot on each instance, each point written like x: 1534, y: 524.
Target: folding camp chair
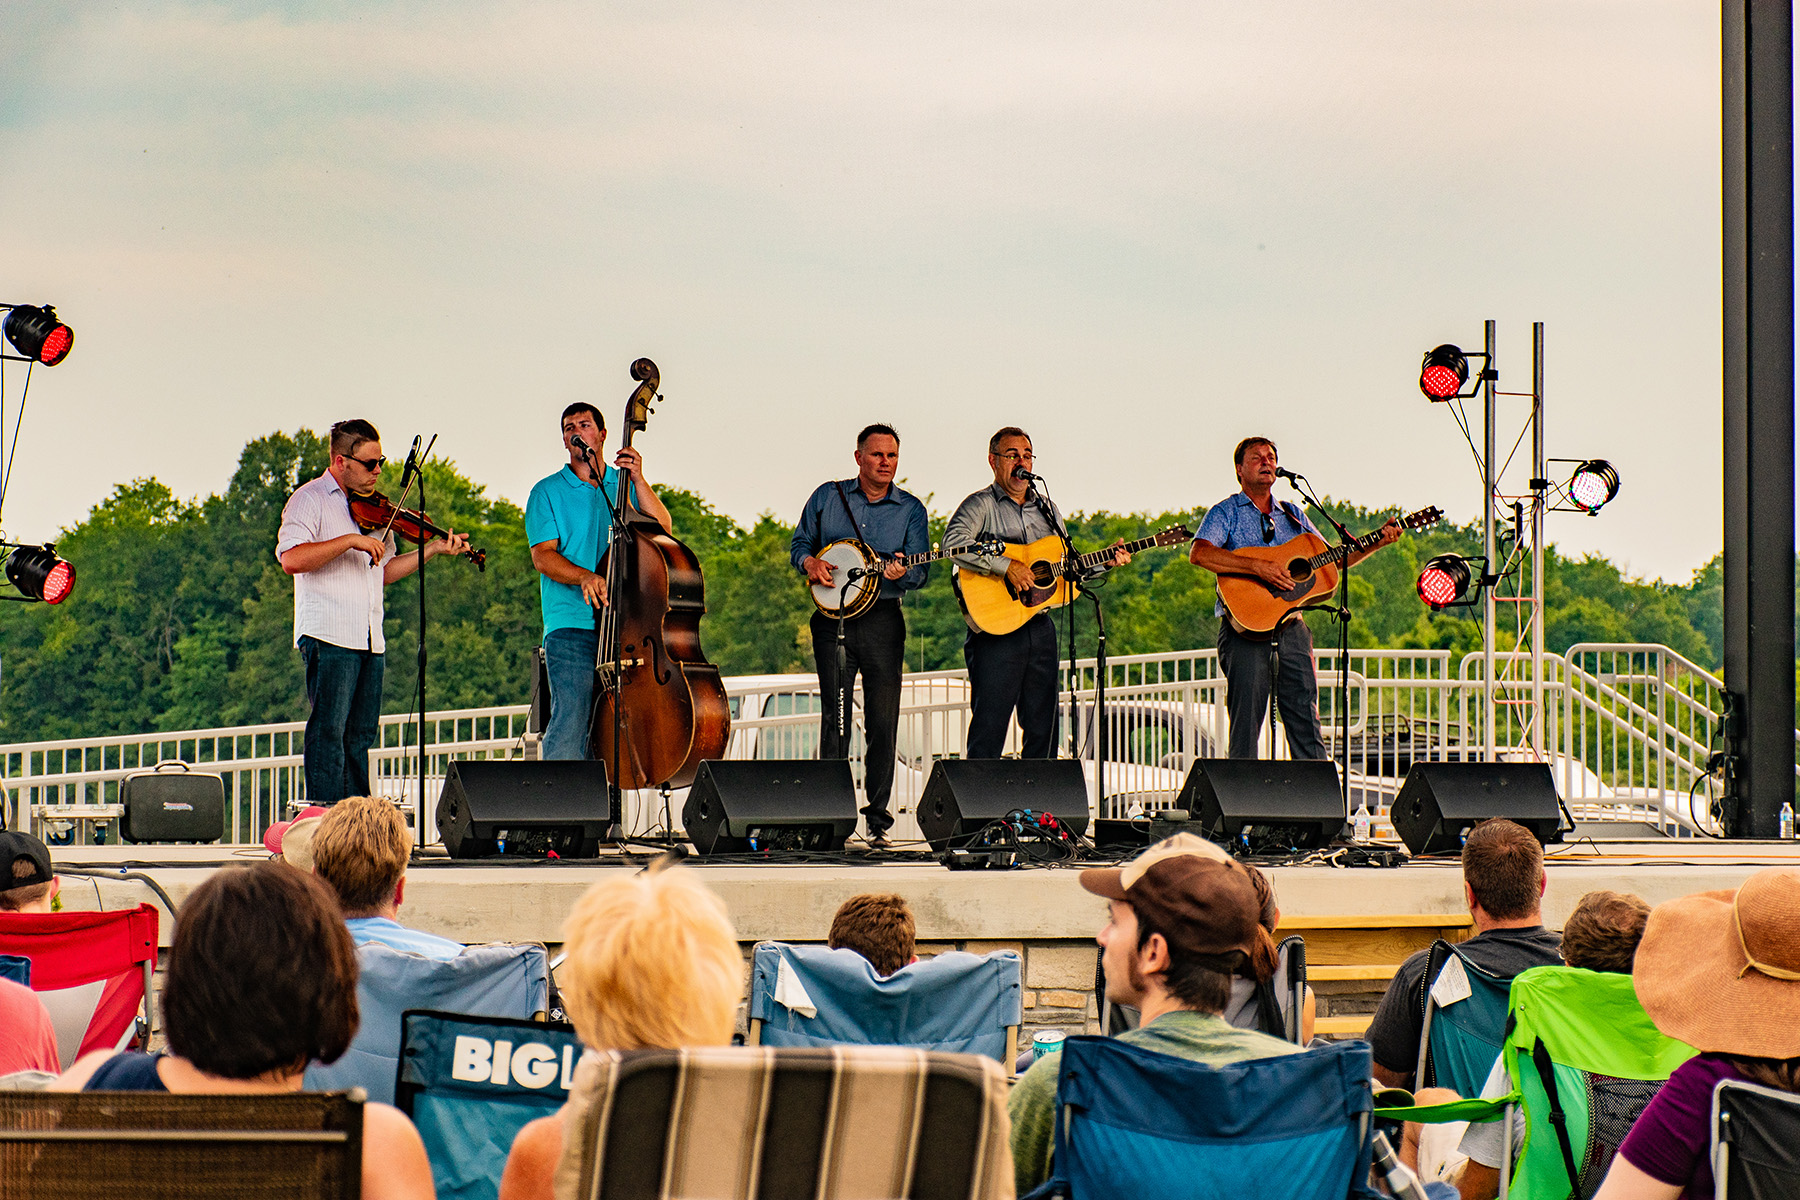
x: 827, y: 1124
x: 1583, y: 1060
x: 1135, y: 1123
x: 1459, y: 1039
x: 17, y: 968
x: 471, y: 1083
x: 954, y: 1002
x: 92, y: 970
x: 1249, y: 1006
x: 1755, y: 1141
x: 500, y: 980
x: 104, y: 1145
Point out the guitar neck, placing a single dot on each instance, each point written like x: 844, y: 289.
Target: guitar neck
x: 1095, y: 558
x: 931, y: 556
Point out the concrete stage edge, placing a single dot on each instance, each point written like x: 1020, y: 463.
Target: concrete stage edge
x: 482, y: 903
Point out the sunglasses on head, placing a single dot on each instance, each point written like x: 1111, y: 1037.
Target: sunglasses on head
x: 1268, y: 527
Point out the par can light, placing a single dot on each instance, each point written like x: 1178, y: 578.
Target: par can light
x: 1443, y: 373
x: 1593, y: 484
x: 38, y: 334
x: 1444, y: 581
x: 39, y: 574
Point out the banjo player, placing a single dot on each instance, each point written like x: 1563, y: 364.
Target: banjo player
x: 845, y: 545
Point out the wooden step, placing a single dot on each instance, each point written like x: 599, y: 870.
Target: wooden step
x: 1298, y: 924
x: 1355, y: 972
x: 1351, y: 1026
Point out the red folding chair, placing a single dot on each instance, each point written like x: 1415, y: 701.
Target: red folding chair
x: 92, y: 970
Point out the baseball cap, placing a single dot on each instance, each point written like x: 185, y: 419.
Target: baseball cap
x: 1190, y: 889
x: 14, y: 846
x: 291, y: 839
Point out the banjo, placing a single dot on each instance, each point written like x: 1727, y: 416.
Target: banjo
x: 856, y: 574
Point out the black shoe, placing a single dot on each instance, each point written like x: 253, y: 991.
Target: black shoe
x: 879, y: 841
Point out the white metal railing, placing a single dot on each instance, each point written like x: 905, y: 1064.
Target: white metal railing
x: 1626, y: 728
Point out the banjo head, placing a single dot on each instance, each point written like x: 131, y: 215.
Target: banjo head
x: 851, y: 598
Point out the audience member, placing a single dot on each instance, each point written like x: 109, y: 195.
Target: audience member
x: 1721, y: 972
x: 361, y: 849
x: 27, y: 882
x: 261, y: 980
x: 1250, y: 994
x: 877, y: 926
x: 1602, y: 934
x: 650, y: 961
x: 27, y: 1037
x: 1181, y: 924
x: 291, y: 841
x: 1503, y: 884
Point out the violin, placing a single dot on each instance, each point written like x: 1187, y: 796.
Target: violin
x: 375, y: 512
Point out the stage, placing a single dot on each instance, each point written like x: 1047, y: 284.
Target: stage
x: 1359, y: 922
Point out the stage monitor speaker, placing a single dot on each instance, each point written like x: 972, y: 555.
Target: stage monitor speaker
x: 746, y: 806
x: 965, y: 796
x: 514, y: 807
x: 172, y: 803
x: 1272, y: 806
x: 1440, y: 800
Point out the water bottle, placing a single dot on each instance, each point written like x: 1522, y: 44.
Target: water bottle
x: 1359, y: 824
x: 1787, y: 821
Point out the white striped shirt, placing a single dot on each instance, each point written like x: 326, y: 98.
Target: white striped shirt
x: 340, y: 602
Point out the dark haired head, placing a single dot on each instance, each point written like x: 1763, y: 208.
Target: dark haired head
x: 1003, y: 434
x: 1603, y: 932
x: 870, y: 431
x: 346, y: 436
x: 262, y: 974
x: 878, y: 927
x: 1503, y: 864
x: 1243, y: 448
x: 582, y: 406
x: 1202, y: 983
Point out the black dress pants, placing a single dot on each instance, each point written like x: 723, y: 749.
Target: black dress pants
x: 1245, y: 664
x: 875, y: 645
x: 1010, y: 671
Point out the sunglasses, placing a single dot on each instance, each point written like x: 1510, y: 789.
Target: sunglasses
x: 1268, y: 527
x: 369, y: 464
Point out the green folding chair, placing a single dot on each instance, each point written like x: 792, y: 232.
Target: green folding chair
x: 1584, y: 1059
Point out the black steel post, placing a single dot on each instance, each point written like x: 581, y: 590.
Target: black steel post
x: 1758, y: 153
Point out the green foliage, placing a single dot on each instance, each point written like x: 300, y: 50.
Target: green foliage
x: 182, y: 618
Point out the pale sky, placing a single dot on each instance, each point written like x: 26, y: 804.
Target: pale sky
x: 1141, y: 231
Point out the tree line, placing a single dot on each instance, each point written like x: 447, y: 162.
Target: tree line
x: 181, y: 618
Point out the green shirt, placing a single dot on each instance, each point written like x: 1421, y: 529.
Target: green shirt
x: 1199, y: 1037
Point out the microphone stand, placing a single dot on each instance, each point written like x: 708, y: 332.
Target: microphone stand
x: 1071, y: 574
x: 843, y: 664
x: 414, y: 471
x: 611, y: 634
x: 1341, y: 610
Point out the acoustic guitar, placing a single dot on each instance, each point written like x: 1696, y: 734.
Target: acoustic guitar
x: 1257, y: 607
x: 991, y: 604
x: 852, y: 597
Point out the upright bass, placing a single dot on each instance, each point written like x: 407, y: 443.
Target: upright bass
x: 660, y: 706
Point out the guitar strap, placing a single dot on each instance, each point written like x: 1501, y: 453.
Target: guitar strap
x: 855, y: 530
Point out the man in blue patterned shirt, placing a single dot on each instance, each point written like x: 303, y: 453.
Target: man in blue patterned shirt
x: 1253, y: 517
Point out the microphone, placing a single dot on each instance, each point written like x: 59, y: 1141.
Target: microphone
x: 580, y: 445
x: 1284, y: 473
x: 1022, y: 473
x: 411, y: 468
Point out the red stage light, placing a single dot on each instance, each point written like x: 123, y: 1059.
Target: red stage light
x: 59, y: 582
x: 1444, y: 581
x: 38, y: 334
x: 1443, y: 372
x: 56, y: 346
x: 39, y: 574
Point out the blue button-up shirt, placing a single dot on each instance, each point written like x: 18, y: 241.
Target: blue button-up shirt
x: 894, y: 524
x: 1236, y: 523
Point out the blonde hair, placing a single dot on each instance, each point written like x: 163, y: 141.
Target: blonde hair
x: 652, y: 963
x: 361, y: 848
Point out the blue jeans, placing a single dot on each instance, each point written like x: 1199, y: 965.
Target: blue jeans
x: 569, y: 657
x: 344, y: 688
x: 1245, y: 665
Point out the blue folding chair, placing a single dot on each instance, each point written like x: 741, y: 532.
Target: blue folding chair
x: 1135, y: 1123
x: 17, y: 968
x: 955, y: 1002
x: 1459, y: 1042
x: 500, y: 980
x: 471, y: 1083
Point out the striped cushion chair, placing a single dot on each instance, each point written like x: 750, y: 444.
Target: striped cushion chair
x: 736, y: 1122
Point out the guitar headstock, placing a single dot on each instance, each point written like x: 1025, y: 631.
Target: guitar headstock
x: 988, y: 544
x: 1173, y: 534
x: 1425, y: 518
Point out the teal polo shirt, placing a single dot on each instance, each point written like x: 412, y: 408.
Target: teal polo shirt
x: 564, y: 510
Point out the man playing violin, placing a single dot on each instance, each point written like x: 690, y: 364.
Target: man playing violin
x: 1016, y: 670
x: 1253, y: 517
x: 568, y: 524
x: 888, y: 521
x: 339, y: 573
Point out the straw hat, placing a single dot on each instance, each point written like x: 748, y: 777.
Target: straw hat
x: 1721, y: 970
